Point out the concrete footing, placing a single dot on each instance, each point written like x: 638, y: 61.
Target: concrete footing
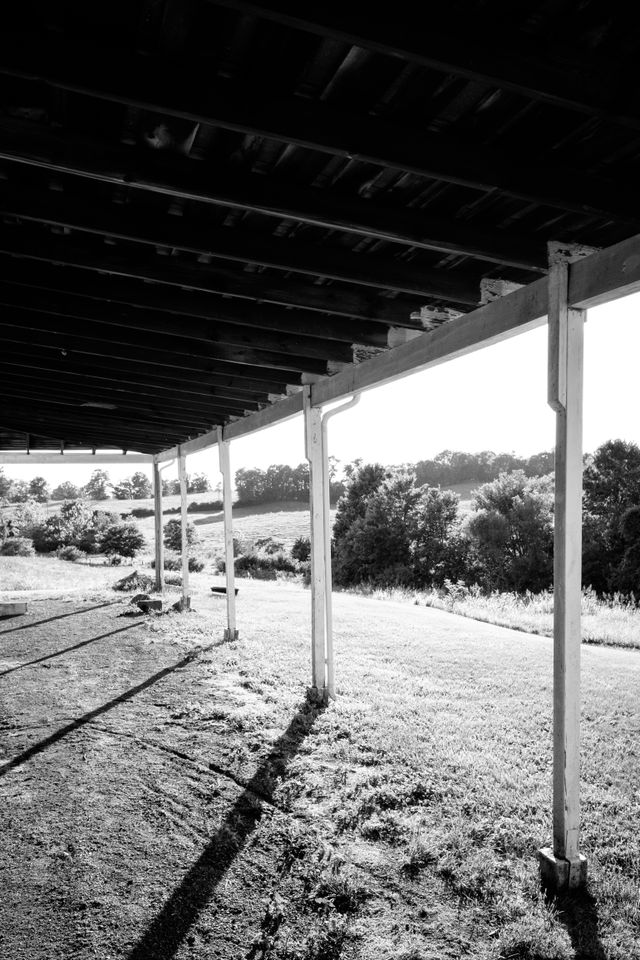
x: 559, y: 875
x: 231, y: 635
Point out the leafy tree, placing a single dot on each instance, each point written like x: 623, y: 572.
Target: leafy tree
x: 141, y: 488
x: 170, y: 487
x: 123, y: 490
x: 28, y: 517
x: 392, y: 531
x: 39, y: 489
x: 611, y: 488
x: 122, y: 540
x: 5, y: 485
x: 199, y: 483
x: 98, y: 486
x: 628, y: 571
x: 173, y: 535
x: 66, y: 491
x: 19, y: 491
x: 511, y: 531
x: 76, y: 525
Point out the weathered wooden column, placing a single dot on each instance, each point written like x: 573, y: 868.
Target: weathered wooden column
x: 314, y: 454
x: 563, y: 866
x: 157, y: 526
x: 182, y: 476
x: 231, y: 633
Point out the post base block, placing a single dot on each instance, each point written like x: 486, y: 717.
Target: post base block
x: 318, y: 695
x: 183, y: 604
x: 559, y: 875
x: 231, y: 635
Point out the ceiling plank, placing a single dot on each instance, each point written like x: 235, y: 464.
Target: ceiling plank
x: 36, y: 146
x: 472, y: 52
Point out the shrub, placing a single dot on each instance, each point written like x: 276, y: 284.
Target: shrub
x: 173, y: 562
x: 122, y: 540
x: 16, y: 547
x: 141, y: 512
x: 512, y: 532
x: 173, y: 535
x: 27, y: 517
x: 205, y: 506
x: 70, y: 553
x: 301, y: 549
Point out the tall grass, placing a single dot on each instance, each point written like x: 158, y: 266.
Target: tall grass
x: 611, y: 621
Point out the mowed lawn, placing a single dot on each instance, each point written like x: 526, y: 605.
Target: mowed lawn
x: 212, y: 812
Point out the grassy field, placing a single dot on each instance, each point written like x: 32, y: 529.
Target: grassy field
x: 211, y: 812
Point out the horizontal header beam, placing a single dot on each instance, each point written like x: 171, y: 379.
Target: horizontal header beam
x: 600, y: 278
x: 10, y: 457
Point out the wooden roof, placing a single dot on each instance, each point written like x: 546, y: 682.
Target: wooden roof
x: 205, y: 204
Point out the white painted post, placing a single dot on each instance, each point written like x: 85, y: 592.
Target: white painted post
x: 564, y: 867
x: 157, y: 515
x: 231, y: 633
x: 314, y: 454
x: 182, y: 476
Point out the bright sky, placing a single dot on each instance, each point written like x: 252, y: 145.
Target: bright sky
x: 493, y: 399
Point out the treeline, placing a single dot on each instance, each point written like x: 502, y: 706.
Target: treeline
x: 453, y: 466
x: 390, y: 530
x: 280, y: 482
x: 136, y: 487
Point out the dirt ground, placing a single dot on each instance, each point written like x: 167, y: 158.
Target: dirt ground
x: 166, y: 795
x: 129, y: 829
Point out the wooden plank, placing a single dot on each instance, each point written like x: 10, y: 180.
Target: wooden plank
x: 343, y: 301
x: 269, y: 196
x: 158, y: 527
x: 184, y: 518
x: 231, y: 633
x: 474, y: 50
x: 239, y: 245
x: 276, y: 413
x: 313, y: 450
x: 318, y: 125
x: 16, y: 327
x: 42, y: 457
x: 566, y: 398
x: 519, y: 311
x: 164, y: 303
x: 95, y: 319
x: 12, y: 608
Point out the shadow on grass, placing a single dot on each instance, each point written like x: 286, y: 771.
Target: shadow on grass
x: 578, y: 912
x: 104, y: 708
x: 75, y: 646
x: 60, y: 616
x: 163, y: 937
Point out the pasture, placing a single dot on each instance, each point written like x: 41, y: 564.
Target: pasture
x: 165, y: 795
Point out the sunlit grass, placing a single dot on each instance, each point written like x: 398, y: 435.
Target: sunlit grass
x: 612, y: 621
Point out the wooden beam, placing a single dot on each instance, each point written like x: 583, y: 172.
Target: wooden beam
x: 474, y: 50
x: 184, y: 541
x: 150, y: 228
x: 184, y: 417
x: 144, y: 399
x: 314, y: 455
x: 151, y: 84
x: 599, y: 278
x: 222, y: 359
x: 158, y: 527
x: 339, y: 301
x: 27, y: 415
x: 8, y: 457
x: 231, y: 633
x: 198, y: 390
x: 165, y: 302
x: 91, y: 159
x: 48, y: 310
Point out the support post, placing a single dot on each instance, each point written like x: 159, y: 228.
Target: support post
x: 564, y: 867
x: 314, y: 454
x: 182, y: 476
x: 231, y: 633
x: 157, y: 525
